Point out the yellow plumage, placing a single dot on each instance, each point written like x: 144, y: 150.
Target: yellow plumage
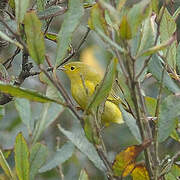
x: 84, y: 80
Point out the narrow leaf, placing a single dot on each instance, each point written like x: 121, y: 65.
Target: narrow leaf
x: 97, y: 20
x: 151, y: 105
x: 24, y: 93
x: 155, y: 5
x: 35, y: 39
x: 140, y: 172
x: 124, y: 29
x: 60, y: 156
x: 159, y: 47
x: 124, y: 162
x: 137, y: 14
x: 5, y: 166
x: 20, y: 9
x: 12, y: 4
x: 21, y: 158
x: 109, y: 41
x: 169, y: 110
x: 52, y: 11
x: 71, y: 21
x: 5, y: 37
x: 167, y: 26
x: 77, y: 137
x: 51, y: 36
x: 24, y: 109
x: 49, y: 113
x: 167, y: 29
x: 147, y: 35
x: 156, y: 68
x: 41, y: 5
x: 83, y: 175
x: 176, y: 13
x: 131, y: 123
x: 37, y: 158
x: 103, y: 89
x: 90, y: 129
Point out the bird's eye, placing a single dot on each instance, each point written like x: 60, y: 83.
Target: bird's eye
x: 72, y: 68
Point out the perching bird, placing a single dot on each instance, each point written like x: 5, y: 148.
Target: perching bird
x: 84, y: 79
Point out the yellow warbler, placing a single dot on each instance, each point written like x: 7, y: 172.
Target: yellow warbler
x: 84, y: 80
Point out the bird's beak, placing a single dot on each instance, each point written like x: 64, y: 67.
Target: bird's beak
x: 62, y: 68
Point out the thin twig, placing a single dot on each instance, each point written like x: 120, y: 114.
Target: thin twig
x: 158, y: 21
x: 25, y: 73
x: 106, y: 163
x: 62, y: 91
x: 10, y: 60
x: 74, y: 51
x: 120, y: 60
x: 18, y: 38
x: 60, y: 12
x: 168, y: 167
x: 48, y: 24
x: 168, y: 68
x: 133, y: 86
x: 155, y: 135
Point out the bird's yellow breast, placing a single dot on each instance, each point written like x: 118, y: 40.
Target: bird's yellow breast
x: 84, y: 80
x: 82, y: 93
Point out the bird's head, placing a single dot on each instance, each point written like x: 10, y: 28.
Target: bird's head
x: 78, y: 70
x: 74, y: 69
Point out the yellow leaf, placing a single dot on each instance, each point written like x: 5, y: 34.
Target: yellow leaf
x: 140, y: 172
x: 125, y: 161
x: 128, y: 169
x: 97, y: 20
x: 125, y: 29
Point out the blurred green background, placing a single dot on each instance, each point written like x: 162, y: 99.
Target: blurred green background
x: 116, y: 137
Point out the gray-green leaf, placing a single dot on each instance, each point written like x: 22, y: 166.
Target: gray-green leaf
x: 169, y: 111
x: 20, y: 9
x: 24, y: 93
x: 167, y: 28
x: 37, y: 158
x: 156, y: 68
x: 83, y: 175
x: 5, y: 166
x: 77, y: 137
x: 71, y: 21
x: 103, y: 89
x: 6, y: 38
x: 35, y: 39
x: 24, y: 109
x: 21, y: 158
x: 131, y: 123
x: 60, y: 156
x: 49, y: 114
